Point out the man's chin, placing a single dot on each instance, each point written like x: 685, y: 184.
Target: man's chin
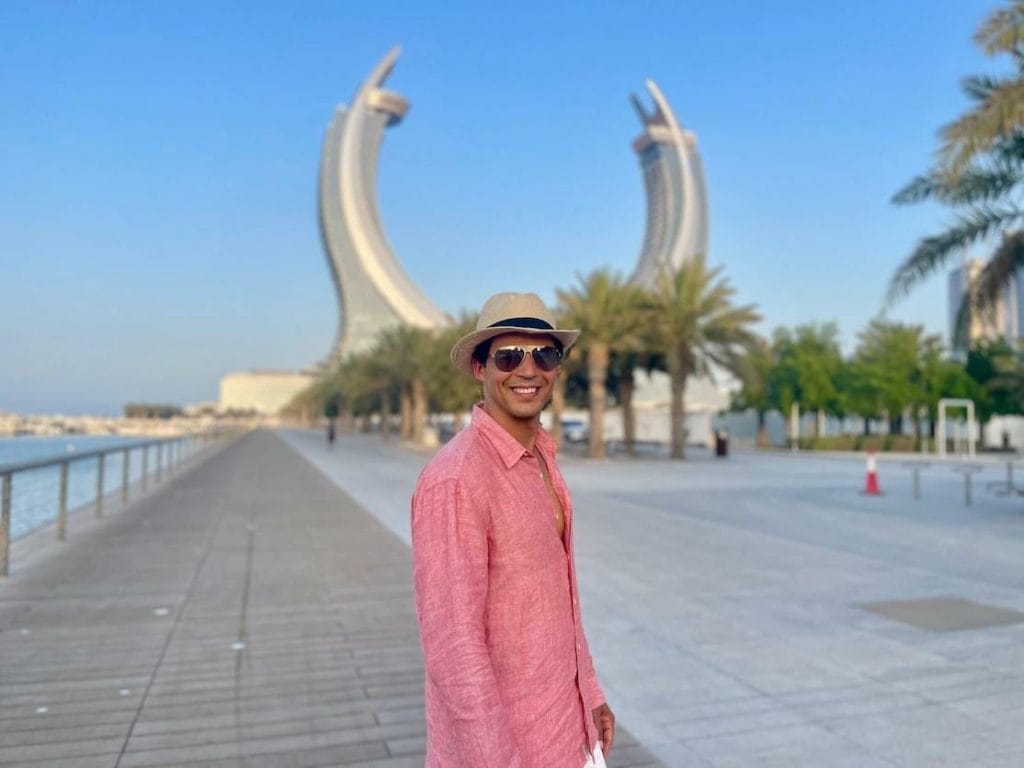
x: 529, y: 413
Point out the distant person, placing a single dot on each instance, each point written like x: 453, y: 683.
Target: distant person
x: 330, y: 434
x: 509, y: 678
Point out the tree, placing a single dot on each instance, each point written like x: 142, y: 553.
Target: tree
x: 756, y: 391
x: 610, y: 315
x: 697, y: 327
x: 405, y: 357
x: 939, y: 377
x: 449, y: 390
x: 998, y: 370
x: 891, y: 357
x: 810, y: 359
x: 858, y: 392
x: 622, y: 377
x: 980, y: 172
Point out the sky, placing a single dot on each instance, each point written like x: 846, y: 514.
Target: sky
x: 158, y: 198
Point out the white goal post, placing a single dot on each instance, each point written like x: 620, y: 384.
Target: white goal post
x: 940, y: 427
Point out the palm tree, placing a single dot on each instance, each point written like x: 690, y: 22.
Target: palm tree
x: 980, y: 172
x: 623, y: 367
x: 451, y: 391
x: 698, y: 327
x: 558, y: 405
x: 609, y: 313
x: 404, y: 357
x: 366, y: 385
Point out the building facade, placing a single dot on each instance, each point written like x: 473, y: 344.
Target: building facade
x: 677, y: 208
x: 676, y: 232
x: 262, y: 393
x: 374, y: 292
x: 1005, y: 322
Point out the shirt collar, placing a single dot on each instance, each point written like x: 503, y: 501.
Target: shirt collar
x: 509, y: 449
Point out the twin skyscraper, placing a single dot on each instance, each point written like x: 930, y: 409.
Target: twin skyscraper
x: 375, y: 293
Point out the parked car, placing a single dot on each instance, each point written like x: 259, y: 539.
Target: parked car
x: 575, y: 431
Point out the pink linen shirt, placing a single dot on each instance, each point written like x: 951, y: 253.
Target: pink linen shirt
x: 509, y: 678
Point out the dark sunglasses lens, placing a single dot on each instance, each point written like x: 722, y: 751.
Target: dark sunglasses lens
x: 547, y: 358
x: 508, y: 359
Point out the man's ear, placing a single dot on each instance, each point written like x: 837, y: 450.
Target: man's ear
x: 478, y: 369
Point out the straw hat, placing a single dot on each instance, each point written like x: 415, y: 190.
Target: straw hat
x: 509, y: 313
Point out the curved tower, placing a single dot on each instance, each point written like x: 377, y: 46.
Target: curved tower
x: 677, y: 208
x: 374, y: 292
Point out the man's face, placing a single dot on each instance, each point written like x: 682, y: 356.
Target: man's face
x: 521, y: 394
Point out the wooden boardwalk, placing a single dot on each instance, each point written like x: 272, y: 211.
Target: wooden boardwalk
x: 247, y: 614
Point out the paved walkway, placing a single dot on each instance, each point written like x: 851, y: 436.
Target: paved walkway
x: 247, y: 614
x: 761, y: 611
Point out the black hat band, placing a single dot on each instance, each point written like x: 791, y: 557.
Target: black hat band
x: 524, y: 322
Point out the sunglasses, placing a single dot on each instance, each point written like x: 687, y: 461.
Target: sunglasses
x: 507, y: 359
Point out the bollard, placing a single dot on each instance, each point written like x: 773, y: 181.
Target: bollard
x: 62, y: 510
x: 968, y: 470
x: 1007, y: 488
x: 99, y: 485
x: 915, y: 470
x: 5, y: 525
x: 159, y: 462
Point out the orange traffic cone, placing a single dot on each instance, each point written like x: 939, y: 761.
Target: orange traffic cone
x: 871, y: 481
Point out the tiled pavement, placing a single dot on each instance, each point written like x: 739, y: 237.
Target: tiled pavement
x: 761, y: 611
x: 248, y: 614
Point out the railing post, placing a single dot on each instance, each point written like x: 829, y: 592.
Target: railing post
x: 62, y: 510
x: 5, y: 525
x: 125, y: 475
x: 99, y: 484
x: 145, y: 465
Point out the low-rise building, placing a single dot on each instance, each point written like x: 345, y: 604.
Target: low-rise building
x: 262, y: 393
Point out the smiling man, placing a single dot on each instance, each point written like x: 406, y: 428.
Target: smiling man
x: 509, y: 678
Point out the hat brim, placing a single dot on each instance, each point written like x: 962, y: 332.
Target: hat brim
x: 462, y: 352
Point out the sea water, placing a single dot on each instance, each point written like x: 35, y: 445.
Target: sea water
x: 35, y: 493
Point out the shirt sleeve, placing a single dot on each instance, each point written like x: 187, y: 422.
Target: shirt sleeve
x: 450, y: 567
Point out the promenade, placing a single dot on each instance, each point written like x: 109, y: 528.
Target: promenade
x: 761, y: 611
x: 256, y: 610
x: 247, y: 614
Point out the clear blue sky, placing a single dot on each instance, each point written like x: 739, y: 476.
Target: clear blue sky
x: 158, y: 223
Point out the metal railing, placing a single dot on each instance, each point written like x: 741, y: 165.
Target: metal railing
x: 168, y: 453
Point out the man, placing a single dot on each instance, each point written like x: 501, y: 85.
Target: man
x: 509, y: 678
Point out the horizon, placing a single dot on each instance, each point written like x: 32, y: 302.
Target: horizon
x: 163, y: 162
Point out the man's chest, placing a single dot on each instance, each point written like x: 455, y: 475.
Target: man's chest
x: 530, y: 516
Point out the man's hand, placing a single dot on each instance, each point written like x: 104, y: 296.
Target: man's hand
x: 605, y: 722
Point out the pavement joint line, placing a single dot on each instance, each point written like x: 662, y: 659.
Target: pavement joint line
x: 211, y: 537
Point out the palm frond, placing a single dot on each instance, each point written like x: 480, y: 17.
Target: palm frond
x: 974, y: 185
x: 1009, y: 150
x: 1002, y: 31
x: 981, y: 128
x: 933, y: 252
x: 981, y: 185
x: 1004, y: 264
x: 605, y: 308
x: 978, y: 87
x: 920, y: 188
